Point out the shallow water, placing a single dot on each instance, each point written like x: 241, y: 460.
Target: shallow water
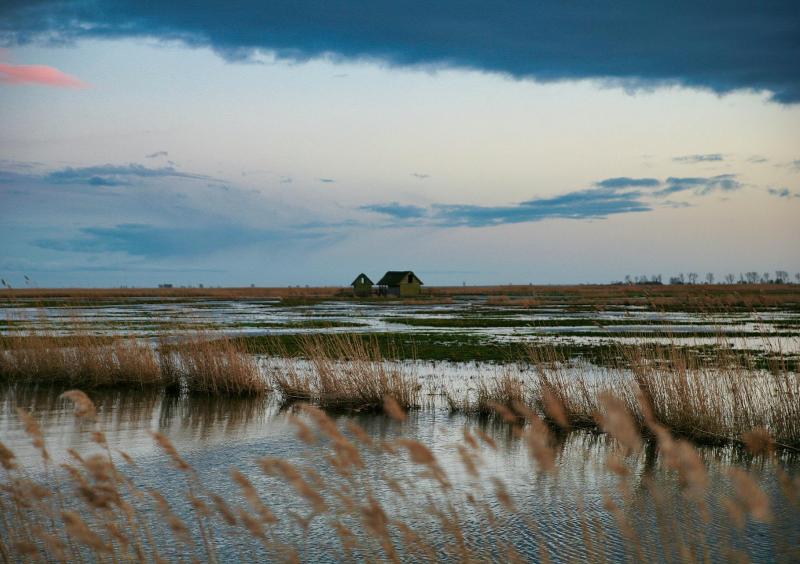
x: 215, y: 434
x: 554, y: 510
x: 757, y: 331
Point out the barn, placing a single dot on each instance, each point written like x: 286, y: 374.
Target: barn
x: 362, y: 285
x: 402, y: 283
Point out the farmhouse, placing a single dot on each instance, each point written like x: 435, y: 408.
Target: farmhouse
x: 399, y: 283
x: 362, y: 285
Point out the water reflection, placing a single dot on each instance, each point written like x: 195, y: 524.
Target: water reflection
x: 203, y: 416
x: 553, y: 509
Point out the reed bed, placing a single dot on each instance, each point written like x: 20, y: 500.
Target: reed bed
x: 199, y: 363
x: 506, y: 389
x: 211, y: 364
x: 347, y: 373
x: 715, y: 400
x: 685, y: 297
x: 79, y: 360
x: 95, y: 508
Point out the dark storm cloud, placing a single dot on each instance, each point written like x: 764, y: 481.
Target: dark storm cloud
x: 157, y: 154
x: 694, y: 159
x: 717, y: 45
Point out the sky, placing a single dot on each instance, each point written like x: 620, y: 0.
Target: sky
x: 304, y: 142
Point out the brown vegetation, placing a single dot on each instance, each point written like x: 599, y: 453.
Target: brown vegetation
x: 202, y: 363
x: 210, y: 364
x: 97, y: 511
x: 710, y: 401
x: 687, y: 297
x: 79, y: 360
x: 346, y: 372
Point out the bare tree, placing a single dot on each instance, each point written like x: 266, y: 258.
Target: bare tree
x: 752, y: 277
x: 781, y: 276
x: 765, y: 278
x: 729, y: 278
x: 709, y: 277
x: 797, y: 277
x: 693, y: 278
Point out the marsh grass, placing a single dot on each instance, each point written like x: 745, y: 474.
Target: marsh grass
x: 98, y: 508
x: 210, y: 364
x: 714, y: 396
x: 82, y: 359
x: 709, y: 400
x: 199, y: 363
x: 505, y: 389
x: 346, y: 372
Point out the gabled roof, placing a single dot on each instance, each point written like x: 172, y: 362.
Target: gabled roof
x: 366, y: 280
x: 395, y: 277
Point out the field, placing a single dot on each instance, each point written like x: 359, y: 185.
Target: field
x: 550, y: 423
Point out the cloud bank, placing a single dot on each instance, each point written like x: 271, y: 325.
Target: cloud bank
x: 716, y: 45
x: 608, y: 197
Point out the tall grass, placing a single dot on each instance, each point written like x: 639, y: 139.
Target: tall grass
x: 209, y: 364
x: 347, y: 372
x: 689, y: 297
x: 96, y: 508
x: 199, y: 363
x: 711, y: 399
x: 79, y: 360
x: 715, y: 400
x: 506, y: 389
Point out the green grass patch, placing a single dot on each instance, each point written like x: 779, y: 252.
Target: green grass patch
x: 478, y: 322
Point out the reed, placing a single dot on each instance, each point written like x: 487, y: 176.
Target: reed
x: 79, y: 360
x: 347, y: 372
x: 717, y: 402
x: 99, y: 510
x: 715, y: 399
x: 506, y: 389
x: 200, y: 363
x: 211, y: 364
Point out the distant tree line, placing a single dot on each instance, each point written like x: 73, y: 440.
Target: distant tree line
x: 752, y: 277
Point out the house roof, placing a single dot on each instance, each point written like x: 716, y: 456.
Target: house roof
x: 395, y: 277
x: 366, y: 280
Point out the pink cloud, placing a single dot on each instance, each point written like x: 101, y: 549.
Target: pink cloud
x: 38, y: 74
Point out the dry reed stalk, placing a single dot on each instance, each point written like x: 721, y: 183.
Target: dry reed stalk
x: 100, y: 531
x: 211, y: 365
x: 278, y: 467
x: 79, y: 359
x: 493, y: 395
x: 347, y: 373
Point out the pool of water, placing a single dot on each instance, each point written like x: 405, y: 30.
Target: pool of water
x: 553, y: 511
x: 473, y: 316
